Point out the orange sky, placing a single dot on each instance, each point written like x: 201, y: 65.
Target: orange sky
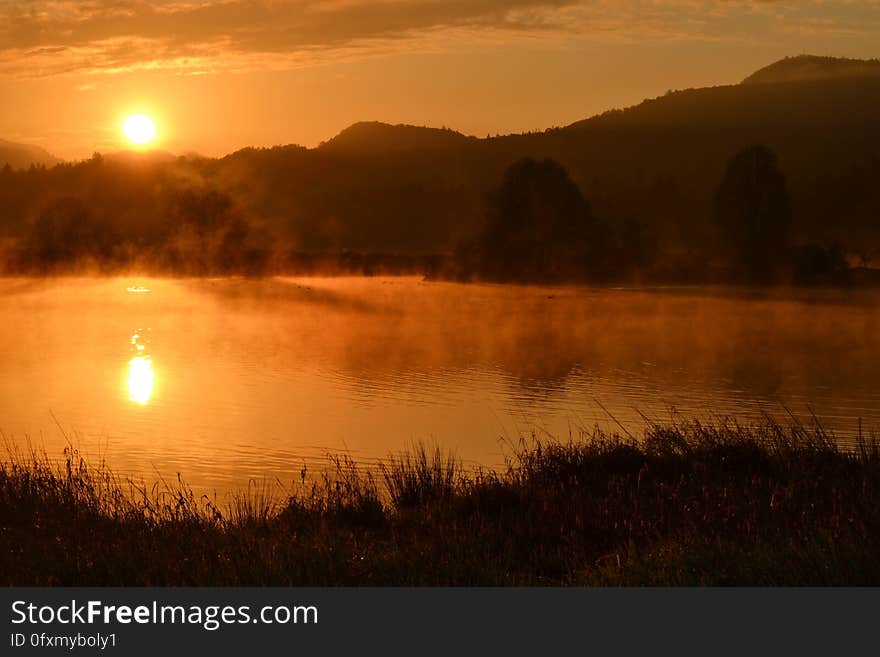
x: 220, y: 75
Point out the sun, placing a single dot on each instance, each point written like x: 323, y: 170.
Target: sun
x: 139, y: 129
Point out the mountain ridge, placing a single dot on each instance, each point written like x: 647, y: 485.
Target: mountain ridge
x: 21, y: 156
x: 366, y: 135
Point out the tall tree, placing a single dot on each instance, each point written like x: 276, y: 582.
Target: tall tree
x: 538, y: 225
x: 753, y: 209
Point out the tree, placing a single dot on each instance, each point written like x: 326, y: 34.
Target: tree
x: 65, y: 232
x: 538, y: 225
x: 208, y: 232
x: 753, y: 210
x: 815, y: 264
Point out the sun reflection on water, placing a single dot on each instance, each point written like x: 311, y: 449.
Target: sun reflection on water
x: 141, y: 376
x: 141, y: 379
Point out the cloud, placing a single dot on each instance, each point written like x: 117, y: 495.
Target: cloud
x: 51, y: 37
x: 59, y: 36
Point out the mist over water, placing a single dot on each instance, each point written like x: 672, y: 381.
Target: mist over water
x: 225, y: 380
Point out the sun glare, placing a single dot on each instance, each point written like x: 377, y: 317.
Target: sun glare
x: 139, y: 129
x: 140, y: 379
x: 140, y: 370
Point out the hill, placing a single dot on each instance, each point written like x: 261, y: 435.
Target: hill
x: 374, y: 136
x: 21, y: 156
x: 826, y: 132
x: 810, y: 67
x: 400, y: 189
x: 659, y: 162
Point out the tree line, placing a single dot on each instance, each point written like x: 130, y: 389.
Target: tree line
x: 264, y: 211
x: 539, y: 227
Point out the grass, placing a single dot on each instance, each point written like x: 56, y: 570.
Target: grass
x: 687, y: 504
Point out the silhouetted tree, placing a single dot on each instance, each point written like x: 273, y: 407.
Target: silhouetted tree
x: 865, y: 255
x: 538, y: 226
x: 753, y: 210
x: 815, y: 264
x: 208, y: 232
x: 65, y: 232
x: 628, y: 247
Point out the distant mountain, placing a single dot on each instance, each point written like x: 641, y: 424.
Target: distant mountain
x: 21, y: 156
x: 810, y: 67
x: 374, y: 136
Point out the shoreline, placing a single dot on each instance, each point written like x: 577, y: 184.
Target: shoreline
x: 687, y: 504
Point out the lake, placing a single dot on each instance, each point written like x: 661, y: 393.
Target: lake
x: 228, y: 380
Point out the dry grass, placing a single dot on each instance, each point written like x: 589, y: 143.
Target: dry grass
x: 685, y: 504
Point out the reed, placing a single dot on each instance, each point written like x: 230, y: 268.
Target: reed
x: 688, y: 503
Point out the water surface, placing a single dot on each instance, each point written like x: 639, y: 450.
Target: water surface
x: 226, y: 380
